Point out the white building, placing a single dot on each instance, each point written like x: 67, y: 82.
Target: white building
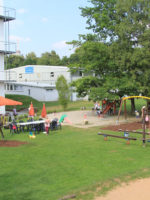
x: 38, y: 81
x: 6, y: 15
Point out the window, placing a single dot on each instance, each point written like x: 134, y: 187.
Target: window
x: 15, y: 87
x: 11, y: 87
x: 49, y: 89
x: 52, y: 74
x: 20, y: 75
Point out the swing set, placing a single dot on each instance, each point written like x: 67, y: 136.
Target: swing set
x: 144, y: 121
x: 124, y: 101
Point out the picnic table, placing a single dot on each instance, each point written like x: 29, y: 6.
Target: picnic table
x: 30, y: 123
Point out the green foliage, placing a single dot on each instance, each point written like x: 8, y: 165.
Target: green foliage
x: 49, y: 59
x: 119, y: 51
x: 31, y: 59
x: 92, y: 57
x: 83, y: 86
x: 14, y: 61
x: 63, y: 91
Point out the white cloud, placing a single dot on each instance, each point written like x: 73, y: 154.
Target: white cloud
x: 62, y: 48
x: 44, y: 19
x: 60, y: 45
x: 21, y: 11
x: 20, y: 39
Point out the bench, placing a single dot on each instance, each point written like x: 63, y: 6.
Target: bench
x: 117, y: 136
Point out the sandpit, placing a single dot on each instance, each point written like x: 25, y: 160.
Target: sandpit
x: 77, y: 119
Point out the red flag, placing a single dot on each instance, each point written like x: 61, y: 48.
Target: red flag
x: 31, y: 110
x: 43, y: 113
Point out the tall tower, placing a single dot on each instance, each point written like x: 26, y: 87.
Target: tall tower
x: 6, y: 15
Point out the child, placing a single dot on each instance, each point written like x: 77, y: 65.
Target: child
x: 47, y: 125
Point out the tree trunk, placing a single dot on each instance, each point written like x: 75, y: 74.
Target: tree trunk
x: 132, y: 106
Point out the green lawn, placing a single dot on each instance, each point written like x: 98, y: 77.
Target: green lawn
x: 68, y: 161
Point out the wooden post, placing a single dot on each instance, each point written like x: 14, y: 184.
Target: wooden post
x: 125, y: 110
x: 105, y: 137
x: 128, y: 141
x: 120, y: 109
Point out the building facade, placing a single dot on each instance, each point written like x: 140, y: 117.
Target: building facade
x: 32, y: 80
x: 6, y: 15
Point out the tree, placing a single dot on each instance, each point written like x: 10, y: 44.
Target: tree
x: 63, y: 91
x: 65, y: 61
x: 49, y: 59
x: 123, y: 26
x: 31, y: 59
x: 14, y: 61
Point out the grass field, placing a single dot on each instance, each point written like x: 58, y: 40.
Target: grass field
x: 68, y: 161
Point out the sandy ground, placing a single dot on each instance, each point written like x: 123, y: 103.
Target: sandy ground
x: 136, y: 190
x: 77, y: 119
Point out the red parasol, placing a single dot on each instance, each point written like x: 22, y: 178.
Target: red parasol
x: 4, y: 102
x: 43, y: 114
x: 31, y: 110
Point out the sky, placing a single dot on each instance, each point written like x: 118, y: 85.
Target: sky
x: 46, y: 25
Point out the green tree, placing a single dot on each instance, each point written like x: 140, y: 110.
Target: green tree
x: 63, y: 91
x: 49, y: 58
x: 14, y: 61
x: 31, y: 59
x: 65, y: 61
x: 123, y: 25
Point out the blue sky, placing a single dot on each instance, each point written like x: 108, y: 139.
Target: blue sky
x: 45, y: 25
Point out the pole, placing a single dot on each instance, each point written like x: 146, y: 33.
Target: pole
x: 125, y: 110
x: 120, y: 109
x: 144, y: 134
x: 1, y: 132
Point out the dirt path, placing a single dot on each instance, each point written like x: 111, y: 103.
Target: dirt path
x: 136, y: 190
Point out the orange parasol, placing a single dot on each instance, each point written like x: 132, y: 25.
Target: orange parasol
x: 4, y: 102
x: 43, y: 114
x: 31, y: 110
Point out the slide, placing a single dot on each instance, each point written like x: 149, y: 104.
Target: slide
x: 106, y: 109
